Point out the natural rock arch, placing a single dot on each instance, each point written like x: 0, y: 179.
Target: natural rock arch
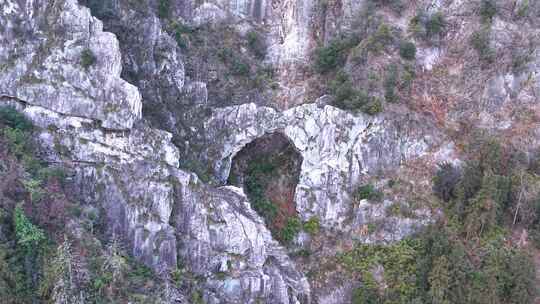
x: 268, y: 168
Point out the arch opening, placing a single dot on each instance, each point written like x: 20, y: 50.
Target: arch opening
x: 268, y: 169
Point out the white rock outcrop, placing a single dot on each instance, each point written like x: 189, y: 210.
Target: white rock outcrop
x: 338, y: 149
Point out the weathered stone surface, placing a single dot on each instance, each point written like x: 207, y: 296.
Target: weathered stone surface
x: 222, y: 234
x: 338, y: 149
x: 46, y: 70
x: 373, y: 222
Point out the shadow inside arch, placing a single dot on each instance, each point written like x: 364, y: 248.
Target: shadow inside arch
x: 268, y: 169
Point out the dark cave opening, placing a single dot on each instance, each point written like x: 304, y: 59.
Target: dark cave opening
x: 268, y: 169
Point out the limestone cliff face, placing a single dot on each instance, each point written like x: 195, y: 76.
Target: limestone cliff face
x: 91, y: 119
x: 130, y: 170
x: 338, y: 149
x: 41, y: 55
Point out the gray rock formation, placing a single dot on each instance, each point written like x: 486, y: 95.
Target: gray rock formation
x: 130, y: 170
x: 90, y: 118
x: 338, y: 149
x: 46, y: 69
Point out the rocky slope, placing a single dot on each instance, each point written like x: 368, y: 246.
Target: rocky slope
x: 133, y: 113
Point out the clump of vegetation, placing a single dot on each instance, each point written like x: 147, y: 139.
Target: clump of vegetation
x: 349, y: 98
x: 283, y: 223
x: 16, y: 132
x: 520, y: 59
x: 488, y: 10
x: 255, y: 183
x: 312, y: 226
x: 12, y: 118
x: 291, y: 229
x: 379, y: 40
x: 366, y: 294
x: 256, y: 44
x: 480, y: 41
x: 396, y: 5
x: 88, y: 58
x: 399, y: 265
x: 182, y: 33
x: 164, y: 8
x: 238, y: 66
x: 374, y: 107
x: 330, y: 57
x: 523, y: 9
x: 435, y: 24
x: 407, y: 50
x: 40, y: 259
x: 196, y: 297
x: 369, y: 192
x: 464, y: 258
x: 390, y: 84
x: 445, y: 181
x: 427, y: 26
x: 28, y: 235
x: 407, y: 77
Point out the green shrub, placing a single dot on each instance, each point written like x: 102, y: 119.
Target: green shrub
x: 196, y: 297
x: 238, y: 66
x: 374, y: 107
x: 379, y: 40
x: 396, y: 5
x: 255, y: 183
x: 366, y: 294
x: 407, y: 50
x: 328, y: 58
x: 480, y: 41
x: 399, y: 263
x: 383, y: 34
x: 265, y: 208
x: 437, y: 267
x: 407, y: 77
x: 312, y: 226
x: 18, y: 142
x: 34, y: 189
x: 520, y: 61
x: 88, y: 58
x: 435, y: 24
x: 523, y: 9
x: 163, y: 8
x: 181, y: 31
x: 28, y: 235
x: 351, y: 99
x: 445, y: 181
x: 55, y: 173
x: 488, y: 9
x: 427, y: 26
x: 9, y: 116
x: 291, y: 229
x: 368, y: 192
x: 256, y: 44
x: 390, y: 84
